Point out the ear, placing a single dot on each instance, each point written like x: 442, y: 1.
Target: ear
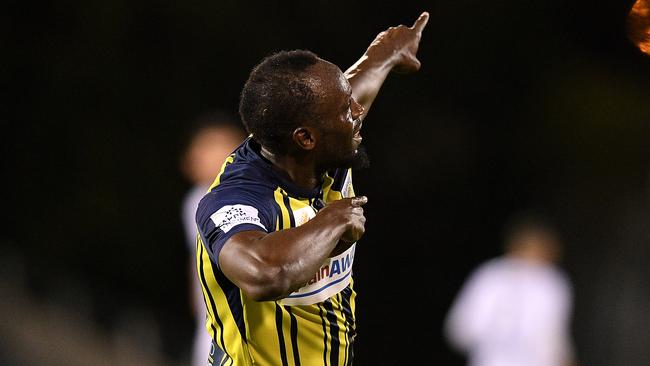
x: 305, y: 138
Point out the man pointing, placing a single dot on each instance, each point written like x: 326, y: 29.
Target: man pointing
x: 279, y: 226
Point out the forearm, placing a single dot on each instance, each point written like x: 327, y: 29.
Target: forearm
x: 296, y: 254
x: 269, y: 266
x: 272, y: 266
x: 366, y: 77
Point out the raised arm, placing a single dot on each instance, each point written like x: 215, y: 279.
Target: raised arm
x: 272, y: 266
x: 394, y: 49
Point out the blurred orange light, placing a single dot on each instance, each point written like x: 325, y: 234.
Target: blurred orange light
x: 639, y: 25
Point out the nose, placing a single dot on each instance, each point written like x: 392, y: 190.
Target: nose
x: 357, y: 109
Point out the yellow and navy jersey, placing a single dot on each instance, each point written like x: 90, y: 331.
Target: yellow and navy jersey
x: 315, y: 325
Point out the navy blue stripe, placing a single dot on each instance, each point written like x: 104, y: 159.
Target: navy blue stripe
x: 292, y: 220
x: 346, y: 294
x: 348, y: 332
x: 204, y: 283
x: 322, y: 319
x: 294, y: 337
x: 278, y: 327
x: 334, y: 332
x: 345, y: 332
x: 200, y: 272
x: 233, y: 297
x: 279, y: 213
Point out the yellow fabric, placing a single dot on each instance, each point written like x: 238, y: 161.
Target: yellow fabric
x: 276, y: 334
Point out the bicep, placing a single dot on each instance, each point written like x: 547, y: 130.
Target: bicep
x: 246, y: 260
x: 240, y: 256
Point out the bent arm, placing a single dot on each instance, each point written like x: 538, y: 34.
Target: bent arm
x: 392, y: 50
x: 272, y: 266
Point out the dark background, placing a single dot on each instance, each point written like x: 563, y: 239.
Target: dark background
x: 519, y: 104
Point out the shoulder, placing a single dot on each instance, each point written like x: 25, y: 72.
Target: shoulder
x: 236, y: 203
x: 229, y: 209
x: 488, y: 274
x: 492, y: 267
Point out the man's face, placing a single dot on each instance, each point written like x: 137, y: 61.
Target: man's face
x: 339, y: 120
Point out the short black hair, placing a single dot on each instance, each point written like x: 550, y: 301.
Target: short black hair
x: 278, y: 97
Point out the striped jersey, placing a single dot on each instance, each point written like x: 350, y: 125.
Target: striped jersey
x: 315, y: 325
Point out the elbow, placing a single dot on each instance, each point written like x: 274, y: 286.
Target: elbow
x: 267, y: 283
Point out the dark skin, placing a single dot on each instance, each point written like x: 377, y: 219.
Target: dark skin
x: 270, y: 266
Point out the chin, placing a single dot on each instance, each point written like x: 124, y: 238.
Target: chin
x: 354, y: 158
x: 359, y: 159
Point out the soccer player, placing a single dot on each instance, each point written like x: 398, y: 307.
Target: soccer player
x: 516, y: 309
x: 279, y: 225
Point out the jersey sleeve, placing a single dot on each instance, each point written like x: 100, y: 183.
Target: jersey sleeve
x: 223, y: 213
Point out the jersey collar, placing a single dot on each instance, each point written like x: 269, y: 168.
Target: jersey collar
x: 253, y: 151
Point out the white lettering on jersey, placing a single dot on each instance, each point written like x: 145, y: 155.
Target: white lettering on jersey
x: 228, y: 217
x: 332, y: 277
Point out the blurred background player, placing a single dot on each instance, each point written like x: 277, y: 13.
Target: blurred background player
x: 214, y: 137
x: 515, y: 310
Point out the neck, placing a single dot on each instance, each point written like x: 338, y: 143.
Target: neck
x: 301, y: 171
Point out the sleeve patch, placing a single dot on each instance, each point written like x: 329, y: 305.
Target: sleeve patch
x: 230, y: 216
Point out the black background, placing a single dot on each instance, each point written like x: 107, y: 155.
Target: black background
x: 519, y: 104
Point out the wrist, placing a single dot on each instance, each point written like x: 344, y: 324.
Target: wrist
x: 331, y: 222
x: 381, y: 60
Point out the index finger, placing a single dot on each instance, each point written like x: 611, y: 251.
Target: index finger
x: 359, y: 201
x: 421, y: 22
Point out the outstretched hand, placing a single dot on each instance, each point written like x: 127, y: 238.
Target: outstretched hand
x: 400, y: 45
